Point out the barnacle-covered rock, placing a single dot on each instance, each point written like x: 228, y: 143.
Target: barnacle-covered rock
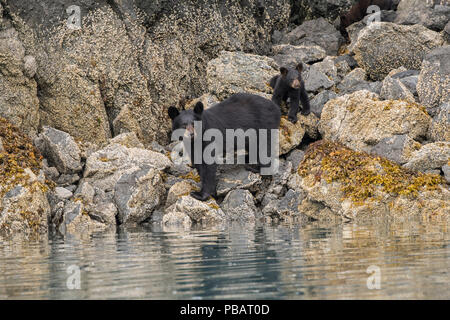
x: 433, y: 85
x: 233, y: 72
x: 360, y: 120
x: 384, y: 46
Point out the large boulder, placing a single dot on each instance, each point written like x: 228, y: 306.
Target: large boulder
x: 239, y: 205
x: 127, y: 179
x: 347, y: 184
x: 360, y: 121
x: 188, y: 210
x: 356, y: 80
x: 289, y: 56
x: 234, y: 72
x: 18, y: 90
x: 60, y: 149
x: 433, y: 86
x: 384, y: 46
x: 426, y: 13
x: 317, y: 32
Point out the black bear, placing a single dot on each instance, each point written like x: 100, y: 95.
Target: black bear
x: 289, y: 84
x: 229, y: 122
x: 359, y: 10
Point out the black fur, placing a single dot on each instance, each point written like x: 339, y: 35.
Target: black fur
x: 240, y: 111
x: 289, y: 84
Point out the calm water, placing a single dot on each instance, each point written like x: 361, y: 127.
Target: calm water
x: 281, y: 261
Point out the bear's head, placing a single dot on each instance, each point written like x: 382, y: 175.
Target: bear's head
x: 185, y: 119
x: 292, y: 76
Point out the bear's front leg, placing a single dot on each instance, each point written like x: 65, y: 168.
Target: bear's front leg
x: 293, y: 107
x: 208, y: 179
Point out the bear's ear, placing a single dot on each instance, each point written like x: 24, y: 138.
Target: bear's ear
x: 283, y: 71
x: 198, y: 109
x: 173, y: 112
x: 299, y: 67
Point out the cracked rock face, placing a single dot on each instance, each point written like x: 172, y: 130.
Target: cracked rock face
x: 131, y: 58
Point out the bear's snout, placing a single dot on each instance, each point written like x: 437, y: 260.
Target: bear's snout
x: 295, y: 84
x: 190, y: 132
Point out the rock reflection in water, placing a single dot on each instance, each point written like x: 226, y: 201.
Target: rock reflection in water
x: 282, y: 261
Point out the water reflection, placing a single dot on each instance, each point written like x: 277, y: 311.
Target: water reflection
x: 284, y: 261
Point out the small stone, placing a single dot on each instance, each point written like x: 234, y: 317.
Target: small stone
x: 63, y: 193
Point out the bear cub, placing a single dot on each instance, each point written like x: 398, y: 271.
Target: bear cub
x: 239, y: 112
x: 289, y: 84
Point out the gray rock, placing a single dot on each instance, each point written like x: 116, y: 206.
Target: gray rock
x: 280, y: 178
x: 137, y: 193
x: 179, y: 189
x: 446, y: 171
x: 2, y: 149
x: 86, y: 192
x: 295, y: 157
x: 397, y: 148
x: 315, y: 79
x: 236, y: 177
x: 440, y: 126
x: 394, y: 89
x: 51, y: 173
x: 128, y: 139
x: 286, y: 207
x: 61, y: 150
x: 433, y: 86
x: 411, y: 83
x: 71, y: 188
x: 356, y: 81
x: 447, y: 33
x: 67, y: 179
x: 383, y: 46
x: 411, y: 12
x: 404, y: 74
x: 239, y: 205
x: 316, y: 32
x: 75, y: 219
x: 63, y: 193
x: 188, y: 209
x: 289, y: 56
x: 319, y: 101
x: 431, y: 156
x: 24, y: 211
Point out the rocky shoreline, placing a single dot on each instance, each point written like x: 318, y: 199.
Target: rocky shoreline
x: 84, y: 129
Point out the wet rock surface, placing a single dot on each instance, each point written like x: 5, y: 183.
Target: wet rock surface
x: 94, y: 103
